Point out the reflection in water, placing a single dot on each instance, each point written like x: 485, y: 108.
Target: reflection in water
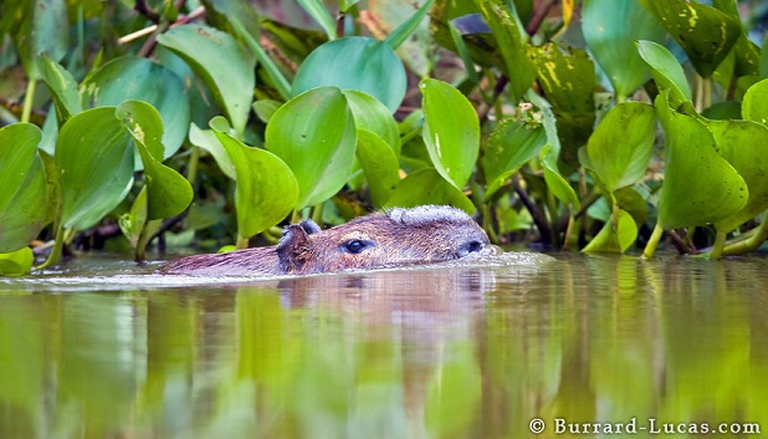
x: 429, y: 353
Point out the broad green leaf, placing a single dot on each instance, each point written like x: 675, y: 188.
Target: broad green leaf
x: 509, y: 147
x: 567, y: 77
x: 316, y: 9
x: 513, y: 44
x: 746, y: 53
x: 266, y: 189
x: 168, y: 192
x: 755, y: 104
x: 355, y: 63
x: 315, y: 135
x: 610, y: 29
x: 265, y: 108
x: 379, y: 164
x: 16, y: 263
x: 666, y: 70
x: 139, y: 78
x: 427, y: 186
x: 463, y: 52
x: 763, y: 68
x: 95, y: 155
x: 372, y: 115
x: 219, y: 13
x: 207, y: 140
x: 630, y: 201
x: 63, y: 88
x: 700, y: 186
x: 451, y: 131
x: 23, y: 198
x: 614, y: 239
x: 744, y: 144
x: 44, y: 29
x: 555, y: 181
x: 224, y: 65
x: 405, y: 30
x: 622, y: 144
x: 705, y: 33
x: 344, y: 5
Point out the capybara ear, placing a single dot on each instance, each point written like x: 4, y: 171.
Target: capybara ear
x: 310, y: 226
x: 294, y: 248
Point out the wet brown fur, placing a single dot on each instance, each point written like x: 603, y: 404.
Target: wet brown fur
x: 400, y: 237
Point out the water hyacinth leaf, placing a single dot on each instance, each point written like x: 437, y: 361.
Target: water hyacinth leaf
x: 95, y: 155
x: 513, y: 44
x: 610, y: 30
x: 555, y: 181
x: 567, y: 76
x: 16, y: 263
x: 224, y: 65
x: 372, y: 115
x: 344, y: 5
x: 451, y: 131
x: 316, y: 10
x: 621, y: 146
x: 207, y: 140
x: 266, y: 191
x: 44, y: 29
x: 63, y: 88
x: 614, y: 239
x: 219, y: 12
x: 132, y: 222
x: 355, y: 63
x: 744, y: 144
x: 130, y: 77
x: 666, y: 71
x: 706, y: 34
x: 168, y: 192
x: 265, y: 108
x: 408, y: 27
x: 700, y: 186
x: 509, y: 147
x: 427, y: 186
x: 630, y: 201
x: 746, y: 52
x: 754, y: 107
x: 315, y: 135
x: 18, y: 148
x: 379, y: 164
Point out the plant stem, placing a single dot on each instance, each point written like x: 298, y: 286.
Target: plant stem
x: 242, y: 242
x: 747, y: 245
x: 281, y: 84
x: 194, y: 160
x: 650, y: 248
x: 56, y: 252
x: 717, y: 248
x: 26, y: 112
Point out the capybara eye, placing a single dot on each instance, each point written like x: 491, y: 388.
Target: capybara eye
x: 355, y: 246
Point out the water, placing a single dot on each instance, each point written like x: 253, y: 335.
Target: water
x: 477, y: 351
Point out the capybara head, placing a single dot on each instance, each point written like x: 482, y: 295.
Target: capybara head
x: 419, y: 235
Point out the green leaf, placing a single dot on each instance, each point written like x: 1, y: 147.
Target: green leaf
x: 266, y: 189
x: 409, y: 26
x: 372, y: 115
x: 17, y: 263
x: 700, y: 186
x: 315, y: 135
x: 622, y: 145
x: 629, y: 200
x: 139, y: 78
x: 555, y: 181
x: 610, y: 29
x: 355, y: 63
x: 379, y: 164
x: 613, y: 239
x: 513, y: 44
x: 224, y: 65
x: 763, y: 67
x: 451, y: 131
x: 23, y: 198
x: 265, y: 108
x: 755, y: 104
x: 509, y: 147
x: 316, y: 10
x: 132, y: 222
x: 63, y: 88
x: 95, y: 156
x: 705, y: 33
x: 44, y: 29
x: 567, y: 76
x: 207, y: 140
x: 344, y: 5
x: 168, y: 192
x: 744, y: 144
x: 427, y: 186
x: 666, y: 71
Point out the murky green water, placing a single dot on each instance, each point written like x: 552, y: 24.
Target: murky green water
x: 439, y: 353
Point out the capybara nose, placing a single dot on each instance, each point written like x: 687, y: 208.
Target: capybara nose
x: 472, y: 246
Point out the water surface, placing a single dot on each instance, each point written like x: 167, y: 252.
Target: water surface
x: 452, y: 352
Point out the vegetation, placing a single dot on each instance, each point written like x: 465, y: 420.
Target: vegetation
x: 132, y: 111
